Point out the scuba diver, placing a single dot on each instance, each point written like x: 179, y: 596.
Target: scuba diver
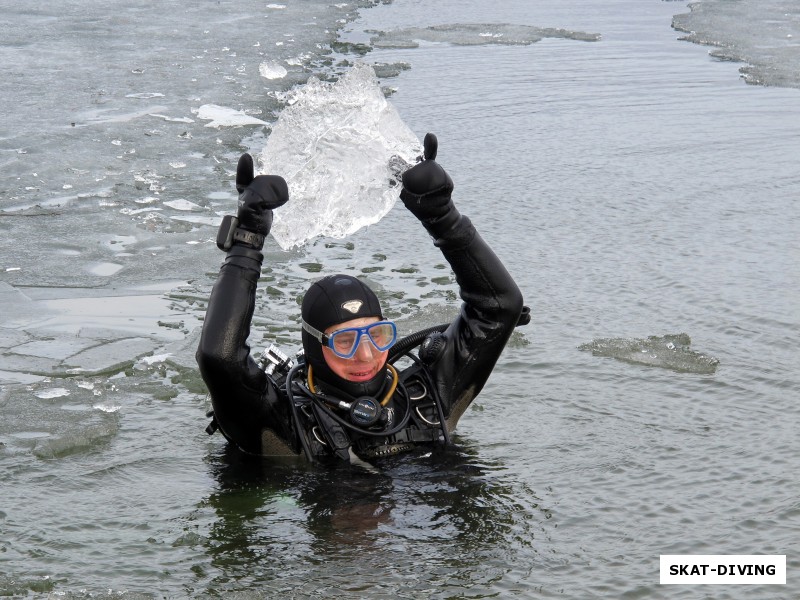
x: 343, y: 398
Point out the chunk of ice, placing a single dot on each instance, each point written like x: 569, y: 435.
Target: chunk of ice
x: 341, y: 147
x: 272, y: 70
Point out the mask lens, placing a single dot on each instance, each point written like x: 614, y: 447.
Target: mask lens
x: 343, y: 342
x: 382, y: 335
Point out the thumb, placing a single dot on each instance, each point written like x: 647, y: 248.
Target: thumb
x: 245, y: 172
x: 431, y: 145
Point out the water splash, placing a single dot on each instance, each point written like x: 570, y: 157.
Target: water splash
x: 667, y: 352
x: 341, y: 147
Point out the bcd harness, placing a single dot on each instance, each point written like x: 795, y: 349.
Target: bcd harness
x: 409, y: 415
x: 329, y: 425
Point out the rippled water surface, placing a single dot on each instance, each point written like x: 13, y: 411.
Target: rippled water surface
x: 634, y: 185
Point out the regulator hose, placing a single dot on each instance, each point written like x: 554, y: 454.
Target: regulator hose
x: 415, y: 339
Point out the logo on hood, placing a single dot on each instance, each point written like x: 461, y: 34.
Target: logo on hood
x: 352, y: 305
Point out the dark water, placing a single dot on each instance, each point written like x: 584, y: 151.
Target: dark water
x: 633, y: 184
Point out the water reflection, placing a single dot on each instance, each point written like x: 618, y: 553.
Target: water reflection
x: 444, y: 516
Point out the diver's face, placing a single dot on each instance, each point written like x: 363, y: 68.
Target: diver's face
x: 365, y: 364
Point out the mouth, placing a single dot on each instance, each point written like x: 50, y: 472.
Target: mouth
x: 361, y: 375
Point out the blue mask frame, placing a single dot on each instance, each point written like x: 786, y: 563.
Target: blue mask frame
x: 329, y: 340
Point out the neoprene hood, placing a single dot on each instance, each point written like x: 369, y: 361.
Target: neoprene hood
x: 329, y: 301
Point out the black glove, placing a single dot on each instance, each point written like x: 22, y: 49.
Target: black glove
x: 258, y: 196
x: 427, y: 189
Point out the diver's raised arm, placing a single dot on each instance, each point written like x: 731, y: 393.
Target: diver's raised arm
x: 492, y: 301
x: 234, y: 379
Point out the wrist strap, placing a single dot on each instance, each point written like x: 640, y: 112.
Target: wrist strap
x: 229, y: 233
x: 248, y: 238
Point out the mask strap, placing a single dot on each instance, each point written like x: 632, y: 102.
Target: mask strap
x: 318, y: 335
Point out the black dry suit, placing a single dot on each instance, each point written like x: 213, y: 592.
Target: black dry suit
x: 254, y: 411
x: 291, y: 413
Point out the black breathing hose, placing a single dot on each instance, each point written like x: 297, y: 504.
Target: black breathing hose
x: 415, y: 339
x: 295, y: 416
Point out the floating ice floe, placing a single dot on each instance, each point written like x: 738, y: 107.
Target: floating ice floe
x: 667, y: 352
x: 471, y: 34
x: 223, y: 116
x: 182, y: 204
x: 145, y: 95
x: 136, y: 211
x: 172, y: 119
x: 156, y: 358
x: 104, y: 269
x: 52, y: 393
x: 197, y: 219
